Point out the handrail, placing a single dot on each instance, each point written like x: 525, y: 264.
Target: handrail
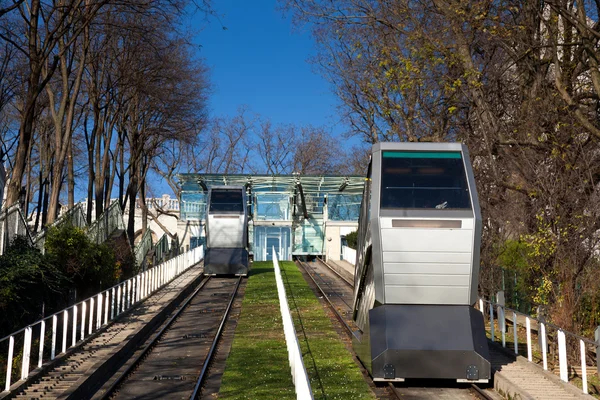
x: 142, y: 248
x: 161, y: 248
x: 299, y: 375
x: 563, y: 338
x: 21, y: 227
x: 74, y: 324
x: 110, y: 220
x: 75, y: 216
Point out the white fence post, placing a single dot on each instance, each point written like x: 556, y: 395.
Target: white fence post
x: 11, y: 347
x: 583, y: 367
x: 528, y: 324
x: 53, y: 350
x: 503, y: 328
x: 544, y: 346
x: 99, y: 312
x: 106, y: 307
x: 492, y: 321
x: 516, y: 338
x: 91, y: 316
x: 26, y: 354
x: 562, y: 355
x: 112, y: 303
x: 74, y: 333
x: 83, y: 312
x: 42, y: 332
x: 65, y: 326
x: 119, y: 300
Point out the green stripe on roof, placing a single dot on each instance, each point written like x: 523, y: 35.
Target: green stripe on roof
x: 422, y: 154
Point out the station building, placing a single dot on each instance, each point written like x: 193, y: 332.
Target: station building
x: 299, y: 215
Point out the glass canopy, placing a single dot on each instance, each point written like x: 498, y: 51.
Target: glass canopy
x: 303, y: 203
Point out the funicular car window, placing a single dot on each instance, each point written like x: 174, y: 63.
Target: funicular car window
x: 226, y: 200
x: 424, y: 180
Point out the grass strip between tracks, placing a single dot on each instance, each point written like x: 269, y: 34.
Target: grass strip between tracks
x: 332, y: 371
x: 257, y: 366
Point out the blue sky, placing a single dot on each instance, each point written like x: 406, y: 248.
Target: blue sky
x: 260, y: 61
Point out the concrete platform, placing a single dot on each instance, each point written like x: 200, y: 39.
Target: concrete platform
x: 343, y: 268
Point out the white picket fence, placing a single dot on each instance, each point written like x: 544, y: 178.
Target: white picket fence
x: 72, y: 325
x: 544, y: 339
x: 299, y: 375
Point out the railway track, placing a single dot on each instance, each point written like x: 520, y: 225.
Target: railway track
x: 175, y: 362
x: 338, y: 294
x: 76, y: 374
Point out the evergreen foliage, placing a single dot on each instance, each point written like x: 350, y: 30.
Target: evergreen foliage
x: 91, y: 267
x: 29, y: 282
x: 352, y: 239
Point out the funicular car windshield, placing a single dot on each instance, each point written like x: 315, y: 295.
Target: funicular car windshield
x: 226, y: 200
x: 424, y: 180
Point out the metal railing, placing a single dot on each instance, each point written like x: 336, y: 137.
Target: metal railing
x: 12, y: 224
x: 44, y: 340
x: 142, y: 248
x: 542, y: 343
x: 299, y: 375
x: 75, y: 216
x: 109, y: 222
x: 161, y: 248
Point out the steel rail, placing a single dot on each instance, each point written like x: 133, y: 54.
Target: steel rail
x: 477, y: 391
x: 210, y: 354
x: 331, y: 306
x: 474, y: 389
x: 328, y: 284
x: 351, y: 284
x: 480, y: 392
x: 117, y: 383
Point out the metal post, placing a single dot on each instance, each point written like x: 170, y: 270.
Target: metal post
x: 128, y: 291
x: 544, y: 346
x: 583, y: 367
x: 492, y: 321
x: 106, y: 301
x: 119, y: 300
x: 112, y: 304
x: 91, y: 315
x: 528, y: 324
x: 74, y: 334
x: 65, y: 325
x: 562, y: 355
x: 99, y: 312
x: 83, y: 312
x: 515, y: 333
x: 26, y: 354
x: 53, y: 349
x: 42, y: 332
x: 11, y: 347
x: 597, y: 338
x: 501, y: 319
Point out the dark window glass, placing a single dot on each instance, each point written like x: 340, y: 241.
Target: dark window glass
x: 429, y: 180
x: 226, y: 200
